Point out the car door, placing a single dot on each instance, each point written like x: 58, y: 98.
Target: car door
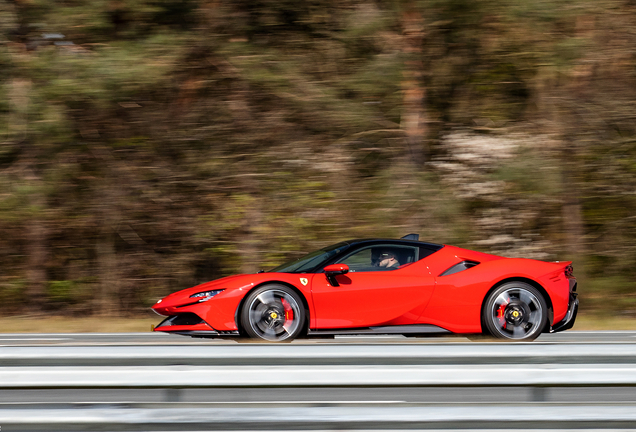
x: 369, y: 295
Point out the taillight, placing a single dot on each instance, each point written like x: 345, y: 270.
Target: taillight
x: 569, y: 270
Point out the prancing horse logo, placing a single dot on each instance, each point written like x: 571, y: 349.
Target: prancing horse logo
x: 304, y: 281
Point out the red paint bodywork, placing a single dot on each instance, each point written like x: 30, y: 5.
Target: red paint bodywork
x: 415, y: 293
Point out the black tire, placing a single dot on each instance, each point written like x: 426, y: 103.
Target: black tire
x: 515, y: 311
x: 273, y: 313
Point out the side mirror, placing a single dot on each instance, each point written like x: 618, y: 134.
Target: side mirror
x: 337, y: 269
x: 331, y: 271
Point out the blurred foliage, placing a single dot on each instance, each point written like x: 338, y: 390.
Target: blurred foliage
x: 146, y: 145
x: 12, y: 294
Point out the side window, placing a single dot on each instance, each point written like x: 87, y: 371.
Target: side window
x: 359, y: 261
x: 380, y: 258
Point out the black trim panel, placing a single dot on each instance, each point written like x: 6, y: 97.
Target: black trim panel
x: 207, y: 334
x: 401, y: 329
x: 187, y: 318
x: 570, y: 317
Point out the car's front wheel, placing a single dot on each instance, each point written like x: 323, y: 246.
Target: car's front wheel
x: 273, y: 313
x: 515, y: 311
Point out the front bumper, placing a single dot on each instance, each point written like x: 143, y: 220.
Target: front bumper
x: 207, y: 334
x: 190, y: 324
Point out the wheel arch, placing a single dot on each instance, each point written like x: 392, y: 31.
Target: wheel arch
x: 237, y: 313
x: 529, y: 281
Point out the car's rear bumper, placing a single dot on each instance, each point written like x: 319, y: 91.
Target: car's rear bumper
x: 568, y: 322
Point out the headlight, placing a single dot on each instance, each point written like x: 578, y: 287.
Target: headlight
x: 205, y: 295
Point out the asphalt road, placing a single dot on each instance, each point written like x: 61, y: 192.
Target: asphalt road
x: 119, y: 339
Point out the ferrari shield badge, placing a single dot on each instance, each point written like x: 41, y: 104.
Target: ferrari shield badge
x: 304, y: 281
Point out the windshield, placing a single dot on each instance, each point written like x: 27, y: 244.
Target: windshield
x: 312, y: 260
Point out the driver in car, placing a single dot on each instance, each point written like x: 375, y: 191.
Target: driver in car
x: 388, y: 261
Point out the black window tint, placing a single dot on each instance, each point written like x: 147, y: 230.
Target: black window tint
x: 370, y: 258
x: 424, y: 252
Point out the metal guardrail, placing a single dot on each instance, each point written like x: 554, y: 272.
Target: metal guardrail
x: 323, y: 418
x: 316, y: 376
x: 534, y: 369
x: 331, y: 354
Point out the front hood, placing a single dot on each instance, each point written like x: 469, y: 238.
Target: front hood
x: 182, y: 297
x: 226, y: 282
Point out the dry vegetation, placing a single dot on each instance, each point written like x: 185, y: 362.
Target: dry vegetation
x: 146, y: 146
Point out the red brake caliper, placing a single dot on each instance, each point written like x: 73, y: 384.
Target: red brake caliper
x: 289, y: 312
x: 500, y: 314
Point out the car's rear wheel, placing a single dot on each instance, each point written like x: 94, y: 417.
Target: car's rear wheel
x: 515, y: 311
x: 273, y: 313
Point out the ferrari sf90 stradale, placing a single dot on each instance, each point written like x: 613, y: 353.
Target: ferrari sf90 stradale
x: 381, y: 286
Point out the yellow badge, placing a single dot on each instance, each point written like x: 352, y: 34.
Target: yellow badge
x: 304, y: 281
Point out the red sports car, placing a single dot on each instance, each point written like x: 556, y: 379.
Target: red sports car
x: 381, y: 286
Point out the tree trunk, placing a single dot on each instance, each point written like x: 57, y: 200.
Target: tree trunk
x: 109, y: 215
x: 106, y: 301
x: 36, y: 230
x: 571, y: 209
x: 37, y: 251
x: 250, y: 242
x: 413, y: 120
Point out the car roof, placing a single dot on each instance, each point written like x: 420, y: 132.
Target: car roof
x: 427, y: 245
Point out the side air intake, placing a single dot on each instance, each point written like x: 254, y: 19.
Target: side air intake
x: 464, y: 265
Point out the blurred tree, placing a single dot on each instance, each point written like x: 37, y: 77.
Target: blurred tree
x: 151, y: 145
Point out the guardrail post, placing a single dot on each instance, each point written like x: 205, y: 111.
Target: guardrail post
x: 173, y: 395
x: 539, y: 394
